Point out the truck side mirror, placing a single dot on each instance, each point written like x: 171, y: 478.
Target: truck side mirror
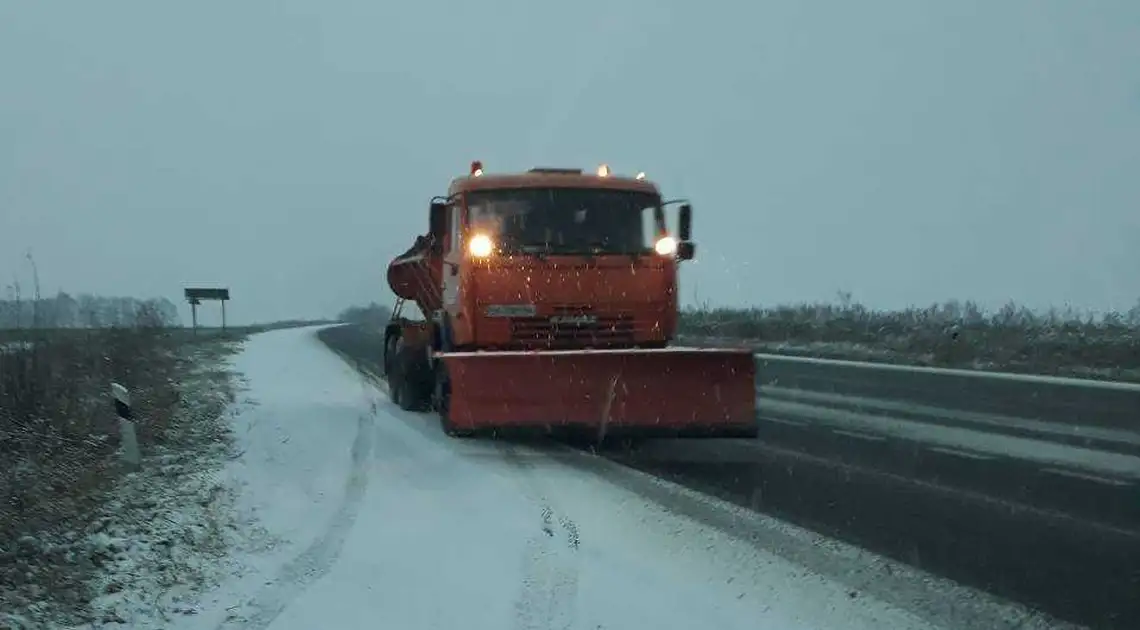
x: 437, y: 225
x: 686, y: 250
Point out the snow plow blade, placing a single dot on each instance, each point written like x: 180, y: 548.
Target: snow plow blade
x: 669, y: 392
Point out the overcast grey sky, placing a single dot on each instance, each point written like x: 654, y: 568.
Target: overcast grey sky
x: 907, y: 151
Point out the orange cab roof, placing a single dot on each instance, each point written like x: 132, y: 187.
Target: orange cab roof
x: 496, y: 181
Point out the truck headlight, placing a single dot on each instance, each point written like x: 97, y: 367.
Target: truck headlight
x: 666, y: 246
x: 480, y: 246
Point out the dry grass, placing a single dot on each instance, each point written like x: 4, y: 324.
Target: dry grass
x: 58, y: 441
x: 57, y: 420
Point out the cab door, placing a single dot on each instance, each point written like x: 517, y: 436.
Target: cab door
x: 452, y: 256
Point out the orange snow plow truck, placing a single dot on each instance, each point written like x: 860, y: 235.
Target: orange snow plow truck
x: 549, y: 299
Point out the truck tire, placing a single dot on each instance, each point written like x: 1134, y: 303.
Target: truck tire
x: 410, y: 384
x: 391, y: 345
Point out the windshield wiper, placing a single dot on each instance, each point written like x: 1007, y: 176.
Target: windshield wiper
x: 538, y: 251
x: 590, y: 250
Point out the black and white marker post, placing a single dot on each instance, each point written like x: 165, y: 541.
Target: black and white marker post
x: 128, y: 439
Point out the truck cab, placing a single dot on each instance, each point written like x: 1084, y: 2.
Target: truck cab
x: 555, y: 259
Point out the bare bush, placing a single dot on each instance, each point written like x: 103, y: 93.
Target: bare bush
x: 954, y: 334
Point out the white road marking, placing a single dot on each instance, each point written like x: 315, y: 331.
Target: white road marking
x: 979, y: 374
x: 794, y: 423
x: 957, y: 453
x: 1075, y: 474
x: 937, y: 415
x: 861, y: 436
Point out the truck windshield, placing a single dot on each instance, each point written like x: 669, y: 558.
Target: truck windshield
x: 566, y: 220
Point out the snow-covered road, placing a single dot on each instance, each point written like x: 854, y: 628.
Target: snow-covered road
x: 369, y: 517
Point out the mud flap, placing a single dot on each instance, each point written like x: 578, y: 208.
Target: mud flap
x: 698, y: 392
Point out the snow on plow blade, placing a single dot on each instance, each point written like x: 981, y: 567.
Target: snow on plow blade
x: 683, y: 392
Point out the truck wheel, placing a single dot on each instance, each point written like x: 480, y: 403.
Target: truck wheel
x: 391, y: 342
x: 396, y: 388
x: 410, y: 380
x: 404, y: 395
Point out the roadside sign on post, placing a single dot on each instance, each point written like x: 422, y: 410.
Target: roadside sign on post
x: 127, y: 435
x: 195, y: 296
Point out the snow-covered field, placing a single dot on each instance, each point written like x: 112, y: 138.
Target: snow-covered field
x: 955, y: 334
x: 334, y: 509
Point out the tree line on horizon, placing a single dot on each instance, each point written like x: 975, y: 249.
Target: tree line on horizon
x: 371, y: 314
x: 86, y: 311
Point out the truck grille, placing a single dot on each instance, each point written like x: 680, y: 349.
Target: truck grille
x: 572, y: 329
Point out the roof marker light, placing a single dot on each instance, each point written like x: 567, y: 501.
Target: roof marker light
x: 476, y: 168
x: 641, y: 175
x: 603, y: 171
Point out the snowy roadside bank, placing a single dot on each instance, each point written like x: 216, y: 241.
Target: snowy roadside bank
x: 223, y: 533
x: 131, y: 543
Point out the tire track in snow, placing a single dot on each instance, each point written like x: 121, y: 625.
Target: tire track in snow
x: 549, y: 589
x: 313, y: 563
